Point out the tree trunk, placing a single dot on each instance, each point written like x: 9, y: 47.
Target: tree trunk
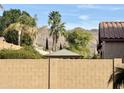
x: 55, y: 42
x: 47, y: 45
x: 19, y: 38
x: 53, y: 45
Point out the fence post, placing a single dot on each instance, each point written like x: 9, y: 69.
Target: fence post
x: 49, y: 74
x: 113, y: 66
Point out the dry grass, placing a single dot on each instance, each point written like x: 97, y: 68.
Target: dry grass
x: 5, y: 45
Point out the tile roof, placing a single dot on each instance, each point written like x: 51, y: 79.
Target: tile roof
x: 111, y: 31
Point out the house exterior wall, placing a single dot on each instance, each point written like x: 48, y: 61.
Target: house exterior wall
x: 112, y: 49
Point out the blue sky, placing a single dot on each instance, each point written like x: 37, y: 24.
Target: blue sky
x: 74, y: 15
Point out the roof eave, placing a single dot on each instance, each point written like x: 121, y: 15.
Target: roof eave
x: 112, y: 39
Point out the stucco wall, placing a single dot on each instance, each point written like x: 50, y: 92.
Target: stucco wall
x: 113, y: 50
x: 64, y: 73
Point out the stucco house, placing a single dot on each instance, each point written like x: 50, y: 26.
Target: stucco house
x: 111, y: 40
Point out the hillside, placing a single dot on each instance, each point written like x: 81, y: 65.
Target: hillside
x: 5, y: 45
x: 94, y: 41
x: 43, y: 37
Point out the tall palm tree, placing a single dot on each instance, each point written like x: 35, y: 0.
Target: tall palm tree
x: 56, y: 27
x: 118, y: 78
x: 62, y: 29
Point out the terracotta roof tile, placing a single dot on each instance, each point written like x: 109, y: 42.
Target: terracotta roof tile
x: 111, y: 30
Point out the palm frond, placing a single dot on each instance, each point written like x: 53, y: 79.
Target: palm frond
x: 118, y: 77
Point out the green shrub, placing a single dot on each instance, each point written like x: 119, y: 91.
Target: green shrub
x: 83, y: 51
x: 26, y: 39
x: 79, y: 40
x: 11, y: 37
x: 24, y: 53
x: 96, y: 56
x: 1, y: 33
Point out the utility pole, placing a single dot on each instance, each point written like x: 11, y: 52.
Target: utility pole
x: 49, y: 71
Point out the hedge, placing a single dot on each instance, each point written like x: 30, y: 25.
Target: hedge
x: 24, y: 53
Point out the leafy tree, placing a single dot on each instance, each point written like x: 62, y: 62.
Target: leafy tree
x: 26, y: 39
x: 27, y: 34
x: 25, y: 13
x: 56, y: 27
x: 8, y: 18
x: 13, y: 16
x: 78, y: 40
x: 2, y: 26
x: 26, y: 19
x: 118, y: 78
x: 12, y: 37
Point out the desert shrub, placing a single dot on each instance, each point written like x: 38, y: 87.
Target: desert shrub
x: 25, y: 53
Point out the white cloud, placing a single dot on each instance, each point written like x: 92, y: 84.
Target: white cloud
x: 87, y: 26
x: 72, y: 25
x: 84, y: 17
x: 115, y: 8
x: 69, y: 14
x: 88, y: 6
x: 100, y: 7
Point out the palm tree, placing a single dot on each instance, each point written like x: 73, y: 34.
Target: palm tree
x: 62, y: 29
x: 56, y: 27
x: 118, y: 78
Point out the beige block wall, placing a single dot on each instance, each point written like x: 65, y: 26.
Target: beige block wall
x: 118, y: 63
x: 23, y: 73
x: 78, y: 73
x: 64, y: 73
